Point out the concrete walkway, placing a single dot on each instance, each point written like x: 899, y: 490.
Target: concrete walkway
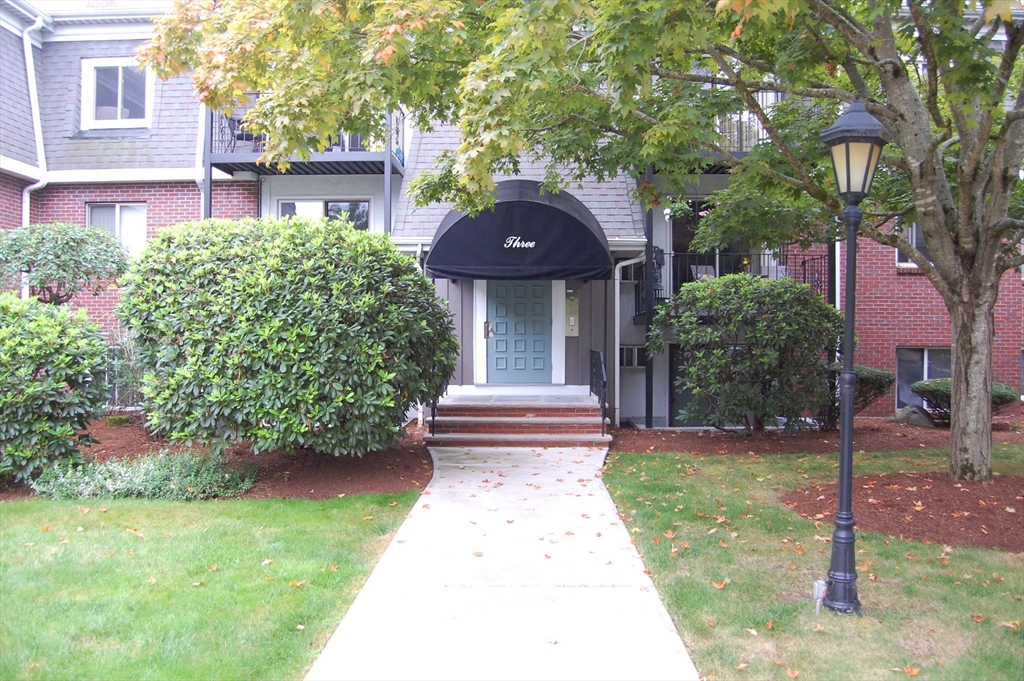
x: 513, y: 564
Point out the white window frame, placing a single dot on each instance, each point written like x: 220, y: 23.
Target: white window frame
x: 910, y: 230
x: 88, y: 118
x: 924, y: 366
x: 118, y: 224
x: 355, y: 199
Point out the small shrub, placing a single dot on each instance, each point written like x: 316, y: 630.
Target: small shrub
x: 938, y: 396
x: 752, y: 349
x: 175, y: 477
x: 118, y: 421
x: 58, y: 260
x: 51, y: 369
x: 288, y: 334
x: 871, y: 385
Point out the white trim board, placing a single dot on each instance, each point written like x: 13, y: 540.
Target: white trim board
x: 124, y: 175
x: 23, y: 170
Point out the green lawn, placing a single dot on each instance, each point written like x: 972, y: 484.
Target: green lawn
x: 205, y: 590
x: 735, y: 568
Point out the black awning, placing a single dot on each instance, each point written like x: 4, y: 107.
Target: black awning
x: 526, y: 235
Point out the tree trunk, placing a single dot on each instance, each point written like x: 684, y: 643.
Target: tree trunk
x: 970, y: 447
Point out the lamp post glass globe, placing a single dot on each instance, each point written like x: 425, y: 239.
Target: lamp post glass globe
x: 855, y: 140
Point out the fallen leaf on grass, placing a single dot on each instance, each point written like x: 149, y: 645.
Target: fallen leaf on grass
x: 393, y: 503
x: 978, y: 618
x: 721, y: 584
x: 297, y: 585
x: 792, y: 673
x: 299, y: 627
x: 268, y: 561
x: 911, y: 671
x: 742, y: 665
x: 752, y: 632
x: 818, y: 627
x: 770, y: 625
x: 1013, y: 624
x: 669, y: 534
x: 367, y: 517
x: 478, y: 553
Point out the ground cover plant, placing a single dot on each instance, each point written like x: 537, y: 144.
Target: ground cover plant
x: 130, y: 589
x: 178, y: 476
x: 735, y: 566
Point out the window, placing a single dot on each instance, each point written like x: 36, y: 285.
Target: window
x: 918, y: 364
x: 915, y: 235
x: 357, y: 211
x: 125, y: 221
x: 632, y: 356
x: 116, y: 93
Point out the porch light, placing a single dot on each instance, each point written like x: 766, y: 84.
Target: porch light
x: 856, y: 140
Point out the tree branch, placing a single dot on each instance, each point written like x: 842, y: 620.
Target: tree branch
x: 924, y: 39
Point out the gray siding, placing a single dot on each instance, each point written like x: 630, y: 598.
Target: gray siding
x: 169, y: 143
x: 595, y: 298
x: 611, y: 202
x: 460, y: 303
x: 17, y: 136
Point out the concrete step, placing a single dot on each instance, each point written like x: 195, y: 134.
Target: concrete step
x: 517, y: 411
x: 592, y: 441
x: 517, y: 424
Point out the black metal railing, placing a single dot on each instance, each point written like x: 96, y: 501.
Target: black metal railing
x: 433, y: 415
x: 599, y: 383
x: 230, y: 136
x: 688, y: 267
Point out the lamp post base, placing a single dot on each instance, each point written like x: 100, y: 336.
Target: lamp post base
x: 842, y: 597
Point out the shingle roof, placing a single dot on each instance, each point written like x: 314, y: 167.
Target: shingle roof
x: 611, y: 202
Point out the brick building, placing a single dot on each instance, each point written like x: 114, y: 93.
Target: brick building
x: 89, y: 138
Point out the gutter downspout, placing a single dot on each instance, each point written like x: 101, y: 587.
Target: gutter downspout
x: 37, y: 124
x: 618, y: 332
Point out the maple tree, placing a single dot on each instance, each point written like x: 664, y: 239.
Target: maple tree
x: 604, y: 87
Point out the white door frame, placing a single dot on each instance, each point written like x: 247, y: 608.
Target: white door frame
x: 557, y: 385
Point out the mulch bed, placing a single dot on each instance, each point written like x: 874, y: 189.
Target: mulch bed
x: 949, y: 514
x: 927, y: 507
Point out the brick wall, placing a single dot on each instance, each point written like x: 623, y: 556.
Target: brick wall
x: 167, y: 203
x: 899, y: 308
x: 10, y: 200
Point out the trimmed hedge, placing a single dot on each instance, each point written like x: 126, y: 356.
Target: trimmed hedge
x: 871, y: 384
x: 59, y: 260
x: 753, y: 349
x: 938, y: 393
x: 288, y: 334
x: 51, y: 384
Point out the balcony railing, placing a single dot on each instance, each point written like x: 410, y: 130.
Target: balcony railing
x: 743, y: 130
x: 683, y: 268
x: 231, y: 137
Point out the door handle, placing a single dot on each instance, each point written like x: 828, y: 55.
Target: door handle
x: 488, y: 330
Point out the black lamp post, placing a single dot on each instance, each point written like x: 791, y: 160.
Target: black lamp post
x: 855, y: 140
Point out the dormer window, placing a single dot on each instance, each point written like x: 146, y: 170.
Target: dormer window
x: 116, y: 93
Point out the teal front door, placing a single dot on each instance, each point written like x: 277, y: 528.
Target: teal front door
x: 519, y: 332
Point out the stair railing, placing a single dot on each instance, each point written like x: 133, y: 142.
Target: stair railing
x: 599, y: 382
